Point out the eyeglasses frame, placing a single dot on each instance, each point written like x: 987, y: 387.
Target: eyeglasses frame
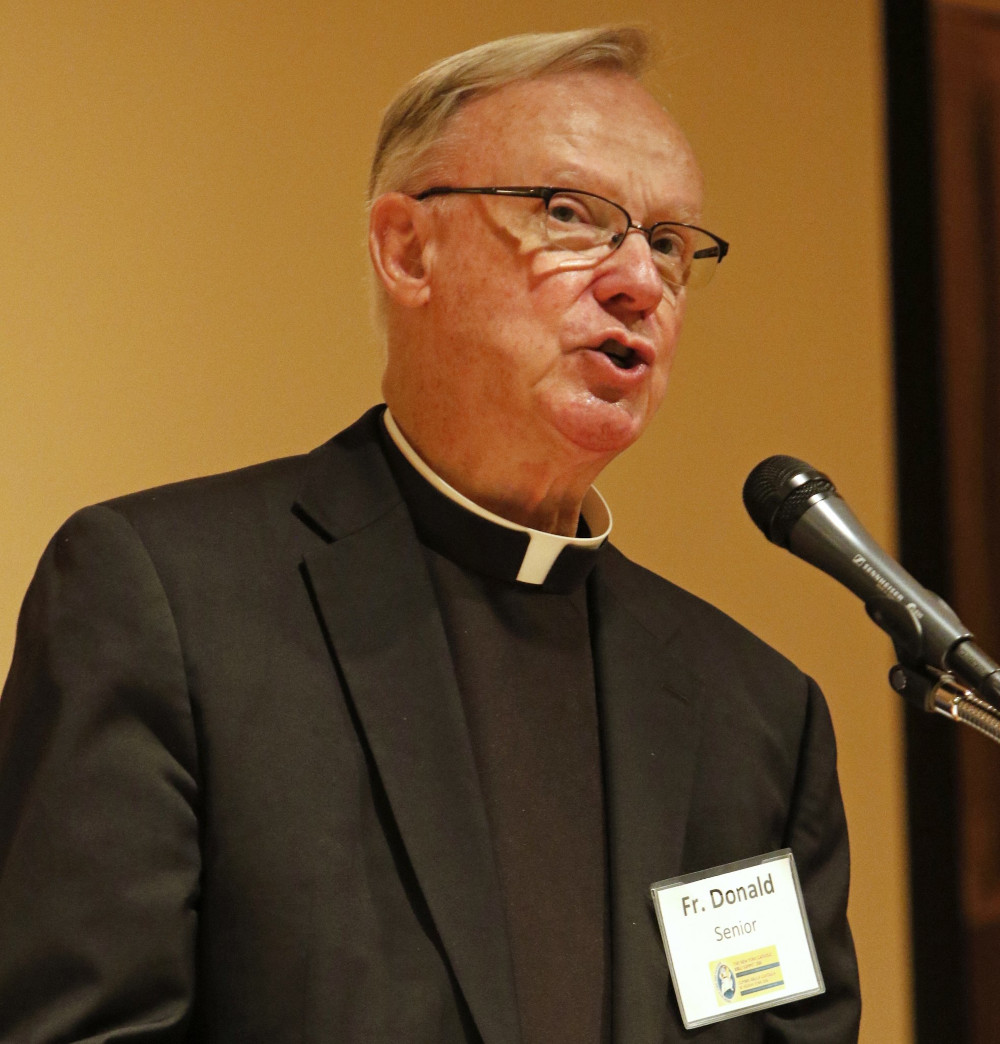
x: 546, y: 192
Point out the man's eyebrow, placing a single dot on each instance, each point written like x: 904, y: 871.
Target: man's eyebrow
x: 588, y: 181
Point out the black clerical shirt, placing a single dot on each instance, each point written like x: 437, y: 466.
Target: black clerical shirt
x: 523, y: 661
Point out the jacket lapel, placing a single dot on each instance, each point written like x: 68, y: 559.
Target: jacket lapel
x: 650, y: 731
x: 378, y: 607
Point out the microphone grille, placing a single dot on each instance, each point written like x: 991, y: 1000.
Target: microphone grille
x: 779, y: 490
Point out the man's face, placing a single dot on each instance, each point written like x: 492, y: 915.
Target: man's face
x: 522, y: 345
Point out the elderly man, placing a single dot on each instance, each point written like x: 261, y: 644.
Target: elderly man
x: 386, y: 743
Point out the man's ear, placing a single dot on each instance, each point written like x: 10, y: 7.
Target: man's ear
x: 398, y: 239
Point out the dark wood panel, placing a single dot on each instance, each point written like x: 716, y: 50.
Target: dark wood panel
x: 967, y: 71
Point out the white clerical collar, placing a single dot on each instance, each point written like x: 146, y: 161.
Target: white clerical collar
x: 543, y: 548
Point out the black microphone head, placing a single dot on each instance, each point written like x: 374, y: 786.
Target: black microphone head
x: 779, y: 490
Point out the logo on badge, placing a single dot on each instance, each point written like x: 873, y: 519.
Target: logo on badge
x: 725, y: 982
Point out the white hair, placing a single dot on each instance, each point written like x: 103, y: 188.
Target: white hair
x: 416, y: 120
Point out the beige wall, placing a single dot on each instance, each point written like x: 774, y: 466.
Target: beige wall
x: 183, y: 291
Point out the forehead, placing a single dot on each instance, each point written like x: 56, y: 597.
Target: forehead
x: 595, y: 130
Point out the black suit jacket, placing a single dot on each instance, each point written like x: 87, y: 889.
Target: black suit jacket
x: 238, y: 800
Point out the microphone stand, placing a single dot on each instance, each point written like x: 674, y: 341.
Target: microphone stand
x: 938, y: 691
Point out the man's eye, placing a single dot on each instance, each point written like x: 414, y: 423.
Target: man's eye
x: 564, y: 214
x: 569, y: 212
x: 668, y: 244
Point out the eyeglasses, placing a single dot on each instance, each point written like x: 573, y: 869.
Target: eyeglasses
x: 594, y: 227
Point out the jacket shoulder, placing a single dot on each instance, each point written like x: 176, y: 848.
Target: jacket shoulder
x: 261, y: 497
x: 719, y: 643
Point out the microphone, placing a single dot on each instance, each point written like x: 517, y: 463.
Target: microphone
x: 798, y: 508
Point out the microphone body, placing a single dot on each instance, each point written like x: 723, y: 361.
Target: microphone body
x: 798, y: 508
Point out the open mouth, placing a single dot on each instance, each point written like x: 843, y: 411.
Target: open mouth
x: 621, y: 355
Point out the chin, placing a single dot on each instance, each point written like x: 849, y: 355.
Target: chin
x: 604, y: 431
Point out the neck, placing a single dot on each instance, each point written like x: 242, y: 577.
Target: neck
x: 532, y: 494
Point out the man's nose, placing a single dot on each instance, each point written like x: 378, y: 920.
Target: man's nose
x: 630, y: 280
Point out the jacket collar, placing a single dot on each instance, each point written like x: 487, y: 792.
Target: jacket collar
x: 648, y: 700
x: 377, y: 606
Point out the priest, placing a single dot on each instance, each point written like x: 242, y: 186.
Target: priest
x: 387, y: 742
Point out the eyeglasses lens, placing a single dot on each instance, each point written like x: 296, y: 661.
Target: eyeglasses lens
x: 594, y: 226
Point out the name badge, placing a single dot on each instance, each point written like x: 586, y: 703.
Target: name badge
x: 737, y: 938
